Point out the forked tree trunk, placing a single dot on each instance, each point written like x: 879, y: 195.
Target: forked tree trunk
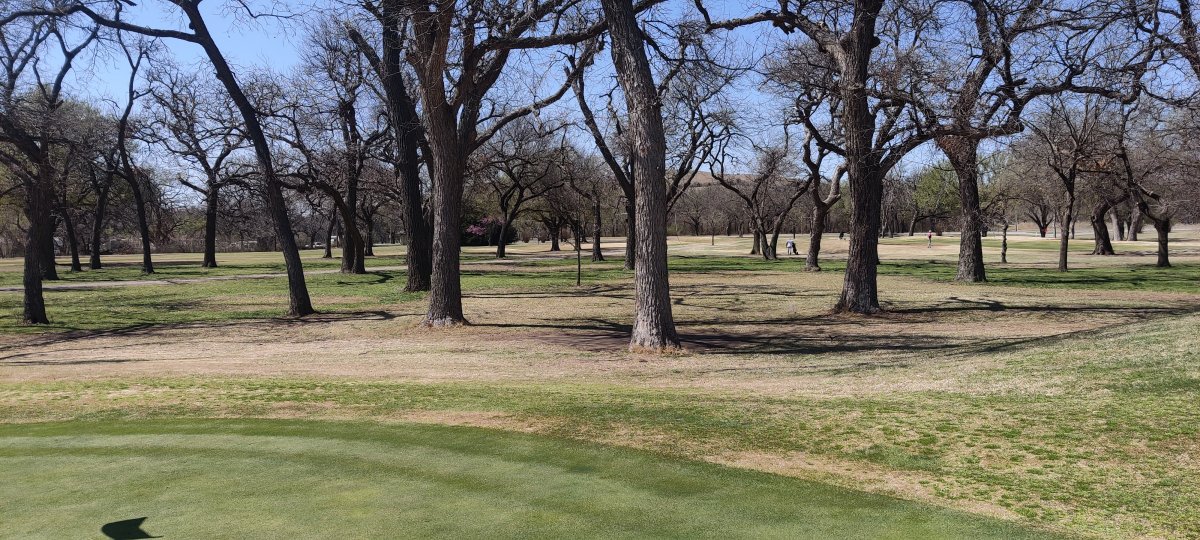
x: 963, y: 154
x: 210, y: 227
x: 1100, y: 230
x: 597, y: 254
x: 654, y: 324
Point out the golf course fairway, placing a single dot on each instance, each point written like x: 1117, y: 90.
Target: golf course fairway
x: 307, y: 479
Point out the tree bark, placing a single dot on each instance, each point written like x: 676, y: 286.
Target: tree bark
x: 210, y: 227
x: 500, y: 245
x: 72, y: 241
x: 963, y: 154
x: 1163, y: 228
x: 597, y: 254
x: 860, y: 291
x: 445, y: 294
x: 139, y: 205
x: 811, y: 260
x: 1063, y: 238
x: 38, y: 197
x: 630, y: 234
x: 654, y: 324
x: 1004, y: 244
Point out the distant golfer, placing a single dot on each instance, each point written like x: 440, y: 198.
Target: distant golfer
x: 791, y: 247
x: 930, y: 237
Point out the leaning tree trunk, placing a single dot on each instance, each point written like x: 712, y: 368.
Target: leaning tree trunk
x: 963, y: 154
x: 811, y: 260
x: 1100, y: 230
x: 299, y: 302
x: 654, y: 324
x: 597, y: 255
x: 210, y: 228
x: 72, y: 241
x: 500, y: 244
x: 98, y: 227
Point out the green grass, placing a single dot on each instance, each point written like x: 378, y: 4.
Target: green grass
x: 1100, y: 445
x: 290, y: 479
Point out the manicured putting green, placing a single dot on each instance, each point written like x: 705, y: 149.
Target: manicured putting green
x: 288, y: 479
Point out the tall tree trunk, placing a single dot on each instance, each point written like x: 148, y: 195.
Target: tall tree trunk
x: 406, y: 128
x: 299, y: 303
x: 811, y: 260
x: 756, y: 246
x: 1119, y: 224
x: 445, y: 294
x: 38, y: 197
x: 210, y: 227
x: 1163, y: 228
x: 72, y: 241
x: 963, y: 154
x: 597, y: 254
x: 1100, y: 229
x: 654, y: 324
x: 98, y: 216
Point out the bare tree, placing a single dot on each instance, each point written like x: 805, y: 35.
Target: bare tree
x: 204, y: 133
x: 522, y: 163
x: 653, y: 325
x: 30, y: 99
x: 1067, y: 141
